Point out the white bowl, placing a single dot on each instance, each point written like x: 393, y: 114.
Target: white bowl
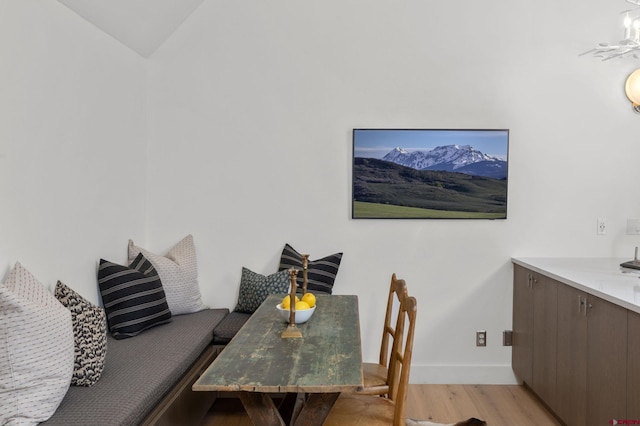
x: 301, y: 316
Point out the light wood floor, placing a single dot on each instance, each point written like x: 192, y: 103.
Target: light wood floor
x: 498, y: 405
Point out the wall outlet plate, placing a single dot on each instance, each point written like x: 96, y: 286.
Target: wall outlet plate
x: 481, y: 338
x: 507, y: 338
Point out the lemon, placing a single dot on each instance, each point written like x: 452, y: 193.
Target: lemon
x: 286, y: 302
x: 310, y: 299
x: 302, y: 306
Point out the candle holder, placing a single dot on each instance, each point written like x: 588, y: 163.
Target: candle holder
x: 305, y: 266
x: 292, y: 332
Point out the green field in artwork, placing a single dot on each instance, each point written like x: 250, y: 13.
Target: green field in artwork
x: 386, y: 190
x: 364, y: 210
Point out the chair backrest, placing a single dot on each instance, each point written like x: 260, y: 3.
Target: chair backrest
x: 397, y: 292
x: 400, y: 363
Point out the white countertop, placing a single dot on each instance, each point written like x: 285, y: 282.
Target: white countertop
x: 601, y: 277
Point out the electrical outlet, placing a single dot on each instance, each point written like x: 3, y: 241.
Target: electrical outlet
x: 481, y: 338
x: 602, y: 226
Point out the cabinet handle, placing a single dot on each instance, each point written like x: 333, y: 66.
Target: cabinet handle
x: 582, y: 303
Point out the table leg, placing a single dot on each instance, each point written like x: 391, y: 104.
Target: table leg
x: 316, y: 409
x: 290, y: 407
x: 261, y: 409
x: 311, y: 410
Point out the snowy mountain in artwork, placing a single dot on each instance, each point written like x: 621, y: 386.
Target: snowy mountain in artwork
x: 451, y: 158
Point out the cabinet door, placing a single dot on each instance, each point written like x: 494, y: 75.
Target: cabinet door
x: 606, y: 361
x: 571, y: 382
x: 633, y: 366
x: 522, y: 339
x: 545, y: 327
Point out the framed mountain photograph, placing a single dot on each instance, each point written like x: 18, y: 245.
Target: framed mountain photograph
x: 430, y: 173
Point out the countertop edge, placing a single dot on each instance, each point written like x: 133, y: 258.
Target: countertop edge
x: 559, y: 270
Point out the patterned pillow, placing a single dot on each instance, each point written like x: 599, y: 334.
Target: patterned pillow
x: 254, y: 288
x: 178, y: 270
x: 132, y: 296
x: 89, y: 334
x: 321, y: 273
x: 36, y: 350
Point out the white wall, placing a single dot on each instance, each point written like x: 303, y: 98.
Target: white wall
x: 251, y: 107
x: 248, y: 111
x: 72, y: 145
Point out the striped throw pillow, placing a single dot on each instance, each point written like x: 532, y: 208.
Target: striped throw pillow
x: 321, y: 273
x: 132, y: 296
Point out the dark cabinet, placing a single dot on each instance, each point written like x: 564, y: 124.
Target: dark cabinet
x: 572, y: 356
x: 545, y: 337
x: 579, y: 358
x: 633, y: 366
x: 534, y: 332
x: 522, y: 340
x: 606, y: 361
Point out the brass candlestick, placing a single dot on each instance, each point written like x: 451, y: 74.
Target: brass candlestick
x: 292, y: 331
x: 305, y: 265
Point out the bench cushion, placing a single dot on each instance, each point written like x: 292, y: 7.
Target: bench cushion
x: 229, y: 326
x: 139, y: 371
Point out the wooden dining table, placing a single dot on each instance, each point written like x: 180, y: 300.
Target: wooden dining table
x: 291, y: 381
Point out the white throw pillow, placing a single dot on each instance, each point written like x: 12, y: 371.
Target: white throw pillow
x: 178, y: 271
x: 36, y: 350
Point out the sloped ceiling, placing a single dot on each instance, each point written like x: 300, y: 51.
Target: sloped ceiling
x: 142, y: 25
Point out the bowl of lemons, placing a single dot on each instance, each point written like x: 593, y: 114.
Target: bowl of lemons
x: 305, y: 307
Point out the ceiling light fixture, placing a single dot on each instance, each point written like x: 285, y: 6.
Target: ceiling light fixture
x: 630, y: 45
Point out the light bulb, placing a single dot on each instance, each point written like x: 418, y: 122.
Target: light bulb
x: 632, y: 89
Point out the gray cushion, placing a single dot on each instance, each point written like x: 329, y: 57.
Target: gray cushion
x: 229, y: 326
x: 138, y: 372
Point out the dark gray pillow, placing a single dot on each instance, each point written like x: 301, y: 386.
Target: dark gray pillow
x: 254, y: 289
x: 132, y: 296
x: 321, y: 273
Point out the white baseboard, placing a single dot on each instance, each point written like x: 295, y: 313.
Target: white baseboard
x: 463, y: 374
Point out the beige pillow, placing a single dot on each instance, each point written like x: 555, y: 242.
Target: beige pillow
x: 36, y: 350
x: 178, y: 271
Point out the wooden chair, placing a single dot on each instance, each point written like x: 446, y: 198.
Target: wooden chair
x: 375, y: 376
x: 372, y: 410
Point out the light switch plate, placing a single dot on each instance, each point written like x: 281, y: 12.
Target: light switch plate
x: 633, y: 226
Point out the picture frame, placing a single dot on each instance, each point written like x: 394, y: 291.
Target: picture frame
x: 430, y: 173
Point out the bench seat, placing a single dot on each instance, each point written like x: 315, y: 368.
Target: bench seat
x: 229, y: 326
x: 139, y: 372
